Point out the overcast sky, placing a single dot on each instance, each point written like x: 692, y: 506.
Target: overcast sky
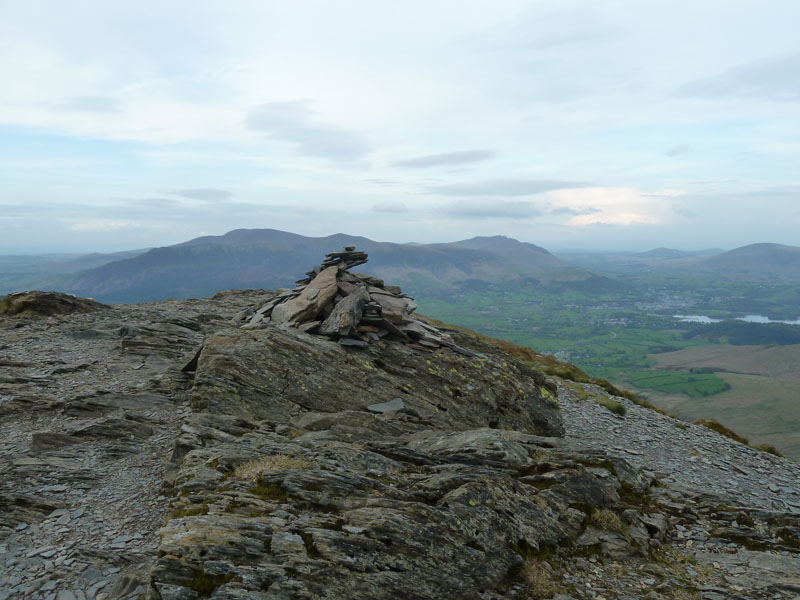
x: 597, y: 124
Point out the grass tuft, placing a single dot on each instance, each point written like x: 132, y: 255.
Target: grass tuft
x: 192, y: 510
x: 715, y: 425
x: 607, y: 520
x: 771, y: 449
x: 271, y: 493
x: 612, y: 405
x: 205, y: 584
x: 540, y: 583
x: 684, y: 594
x: 253, y: 469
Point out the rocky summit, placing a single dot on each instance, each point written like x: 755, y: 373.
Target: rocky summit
x: 327, y: 442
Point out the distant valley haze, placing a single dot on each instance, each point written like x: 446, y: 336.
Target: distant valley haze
x: 270, y: 258
x: 579, y: 124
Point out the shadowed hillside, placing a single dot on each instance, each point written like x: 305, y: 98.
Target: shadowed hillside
x: 259, y: 258
x: 756, y: 262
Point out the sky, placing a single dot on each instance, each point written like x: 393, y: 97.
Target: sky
x: 597, y: 124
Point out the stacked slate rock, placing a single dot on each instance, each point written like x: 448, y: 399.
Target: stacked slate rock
x: 353, y: 308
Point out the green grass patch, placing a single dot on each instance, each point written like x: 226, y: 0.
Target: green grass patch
x: 770, y: 449
x: 715, y: 425
x: 612, y: 405
x: 271, y: 493
x: 205, y: 584
x: 191, y: 511
x: 693, y: 384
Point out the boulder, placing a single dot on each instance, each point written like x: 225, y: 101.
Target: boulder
x: 311, y: 300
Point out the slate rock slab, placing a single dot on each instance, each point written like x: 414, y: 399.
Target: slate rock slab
x: 346, y: 315
x: 386, y: 407
x: 311, y: 300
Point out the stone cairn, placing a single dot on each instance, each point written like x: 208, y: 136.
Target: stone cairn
x: 353, y: 308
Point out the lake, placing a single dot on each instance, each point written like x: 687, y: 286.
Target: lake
x: 748, y: 319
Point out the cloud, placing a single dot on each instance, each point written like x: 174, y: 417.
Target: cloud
x: 566, y: 210
x: 20, y: 210
x: 613, y: 206
x: 554, y: 26
x: 206, y: 194
x: 462, y: 157
x: 390, y: 207
x: 92, y: 104
x: 503, y: 187
x: 685, y: 212
x: 678, y: 150
x: 155, y: 203
x: 293, y: 122
x: 98, y: 225
x: 383, y: 182
x: 490, y: 209
x: 776, y: 79
x: 785, y: 148
x: 788, y: 192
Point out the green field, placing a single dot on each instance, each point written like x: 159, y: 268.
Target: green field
x: 690, y: 382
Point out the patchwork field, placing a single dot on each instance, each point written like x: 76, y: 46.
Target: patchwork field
x: 774, y: 361
x: 763, y: 402
x: 695, y: 383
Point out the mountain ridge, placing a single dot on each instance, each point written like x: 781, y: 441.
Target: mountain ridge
x: 768, y: 258
x: 245, y: 258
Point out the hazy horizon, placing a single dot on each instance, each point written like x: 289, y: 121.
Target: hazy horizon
x: 556, y: 249
x: 607, y: 125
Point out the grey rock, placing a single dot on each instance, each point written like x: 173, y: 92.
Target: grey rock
x: 351, y: 342
x: 386, y: 407
x: 442, y: 498
x: 346, y: 315
x: 656, y: 524
x: 272, y: 373
x: 52, y: 440
x: 114, y: 427
x: 175, y: 592
x: 319, y: 292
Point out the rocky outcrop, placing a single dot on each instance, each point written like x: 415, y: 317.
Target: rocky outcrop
x: 316, y: 469
x: 280, y: 373
x: 38, y: 303
x: 160, y: 451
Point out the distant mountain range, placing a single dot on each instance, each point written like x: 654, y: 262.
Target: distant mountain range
x: 755, y: 262
x: 50, y: 271
x: 268, y: 258
x: 668, y: 253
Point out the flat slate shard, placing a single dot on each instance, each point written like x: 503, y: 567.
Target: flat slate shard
x: 355, y: 308
x: 352, y: 342
x: 346, y: 315
x: 386, y: 407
